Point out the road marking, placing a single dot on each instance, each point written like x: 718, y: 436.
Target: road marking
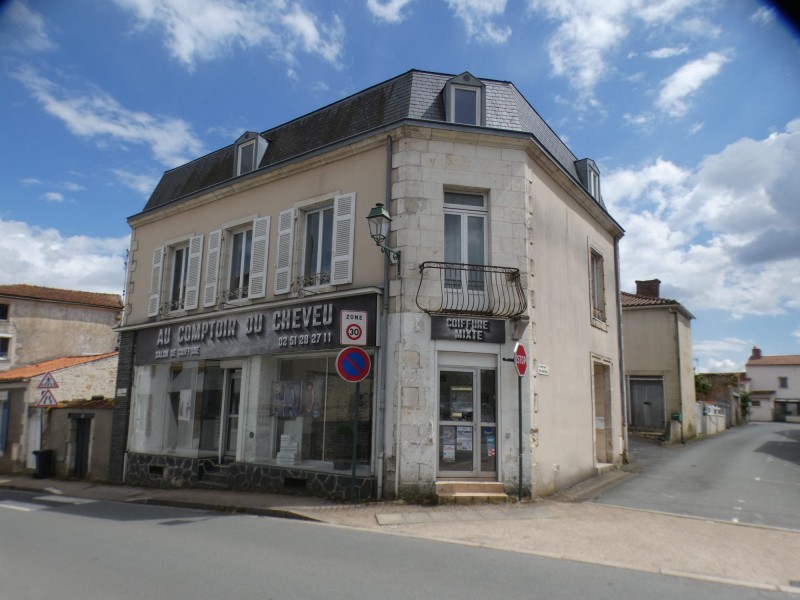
x: 21, y: 506
x: 64, y: 499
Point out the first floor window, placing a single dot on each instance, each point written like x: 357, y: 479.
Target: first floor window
x: 318, y: 248
x: 597, y: 286
x: 5, y: 347
x: 464, y: 239
x: 180, y: 264
x: 3, y: 312
x: 239, y: 270
x: 783, y: 382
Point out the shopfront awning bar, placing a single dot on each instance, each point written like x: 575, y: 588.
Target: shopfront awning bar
x: 465, y: 289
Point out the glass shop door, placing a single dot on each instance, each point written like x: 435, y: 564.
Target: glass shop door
x: 467, y: 423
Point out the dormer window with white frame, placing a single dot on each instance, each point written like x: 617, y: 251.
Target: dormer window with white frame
x: 250, y: 150
x: 589, y: 176
x: 465, y: 100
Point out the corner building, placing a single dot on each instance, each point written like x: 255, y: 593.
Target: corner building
x: 252, y: 267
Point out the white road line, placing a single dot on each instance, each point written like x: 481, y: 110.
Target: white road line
x: 21, y: 506
x: 64, y: 499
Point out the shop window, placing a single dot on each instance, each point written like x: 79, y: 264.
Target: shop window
x: 597, y: 285
x: 326, y: 245
x: 181, y: 413
x: 181, y: 261
x: 306, y: 419
x: 245, y: 247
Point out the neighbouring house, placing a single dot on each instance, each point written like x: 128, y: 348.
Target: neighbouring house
x: 31, y: 401
x: 725, y: 391
x: 659, y: 369
x: 266, y: 339
x: 39, y: 323
x: 774, y: 386
x: 61, y: 329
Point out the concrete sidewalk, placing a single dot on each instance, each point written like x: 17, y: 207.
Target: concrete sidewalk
x: 570, y: 528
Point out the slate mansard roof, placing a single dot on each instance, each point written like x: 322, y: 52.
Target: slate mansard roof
x: 413, y: 96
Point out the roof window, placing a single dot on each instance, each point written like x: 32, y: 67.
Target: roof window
x: 589, y: 176
x: 250, y: 150
x: 465, y: 100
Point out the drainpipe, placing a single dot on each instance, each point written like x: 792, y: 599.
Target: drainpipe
x: 680, y: 368
x: 381, y: 431
x: 622, y: 387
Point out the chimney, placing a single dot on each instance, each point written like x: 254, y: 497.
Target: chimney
x: 649, y: 288
x: 756, y: 353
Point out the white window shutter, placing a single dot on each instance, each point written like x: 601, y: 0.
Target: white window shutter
x: 283, y: 261
x: 193, y: 272
x: 258, y: 258
x: 212, y: 268
x: 344, y: 211
x: 155, y: 282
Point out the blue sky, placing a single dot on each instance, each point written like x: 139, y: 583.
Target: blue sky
x: 691, y: 109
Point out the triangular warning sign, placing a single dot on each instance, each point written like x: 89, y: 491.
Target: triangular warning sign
x: 46, y: 400
x: 48, y: 382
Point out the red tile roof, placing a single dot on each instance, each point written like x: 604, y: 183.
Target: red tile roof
x: 778, y: 360
x: 35, y: 292
x: 36, y: 369
x: 634, y: 300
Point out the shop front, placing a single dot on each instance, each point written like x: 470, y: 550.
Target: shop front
x: 252, y: 401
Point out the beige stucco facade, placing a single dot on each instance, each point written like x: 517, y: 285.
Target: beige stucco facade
x: 538, y: 223
x: 657, y: 344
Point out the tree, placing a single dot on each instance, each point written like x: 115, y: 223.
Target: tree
x: 701, y: 386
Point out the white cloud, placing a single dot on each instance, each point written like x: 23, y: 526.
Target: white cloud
x: 763, y: 16
x: 96, y: 115
x: 144, y: 184
x: 478, y: 15
x: 30, y: 31
x: 39, y: 256
x: 684, y: 82
x: 723, y: 236
x: 54, y: 197
x: 796, y: 333
x: 589, y: 31
x: 390, y: 11
x: 199, y: 30
x: 725, y: 365
x: 668, y: 52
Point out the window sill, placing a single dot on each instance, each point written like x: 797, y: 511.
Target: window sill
x: 598, y: 324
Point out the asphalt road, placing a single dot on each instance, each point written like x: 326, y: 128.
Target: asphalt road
x: 73, y: 549
x: 748, y: 474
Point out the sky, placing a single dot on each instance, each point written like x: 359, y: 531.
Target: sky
x: 690, y: 108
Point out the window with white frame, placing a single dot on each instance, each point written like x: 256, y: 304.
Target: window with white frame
x: 597, y: 284
x: 325, y: 248
x: 241, y: 250
x: 181, y: 263
x: 464, y: 238
x: 594, y: 183
x: 246, y: 157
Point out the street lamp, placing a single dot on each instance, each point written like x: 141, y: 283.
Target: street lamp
x: 379, y: 222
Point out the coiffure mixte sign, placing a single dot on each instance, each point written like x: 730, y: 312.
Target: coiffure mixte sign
x: 296, y: 328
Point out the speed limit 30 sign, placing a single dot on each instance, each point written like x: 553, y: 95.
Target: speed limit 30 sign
x: 354, y: 328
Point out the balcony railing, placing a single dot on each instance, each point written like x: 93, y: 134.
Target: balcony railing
x: 481, y: 290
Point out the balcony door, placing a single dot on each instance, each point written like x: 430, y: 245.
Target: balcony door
x: 465, y: 244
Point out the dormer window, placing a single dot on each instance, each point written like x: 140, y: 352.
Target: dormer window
x: 465, y: 100
x: 589, y: 177
x: 250, y: 149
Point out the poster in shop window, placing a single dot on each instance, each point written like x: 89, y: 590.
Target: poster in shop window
x: 185, y: 406
x: 448, y: 444
x: 464, y: 438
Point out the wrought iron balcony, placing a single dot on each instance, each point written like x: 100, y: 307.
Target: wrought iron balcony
x: 481, y: 290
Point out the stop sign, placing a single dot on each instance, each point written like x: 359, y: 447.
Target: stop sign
x: 520, y: 359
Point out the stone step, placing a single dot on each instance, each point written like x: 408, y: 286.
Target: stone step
x: 470, y: 492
